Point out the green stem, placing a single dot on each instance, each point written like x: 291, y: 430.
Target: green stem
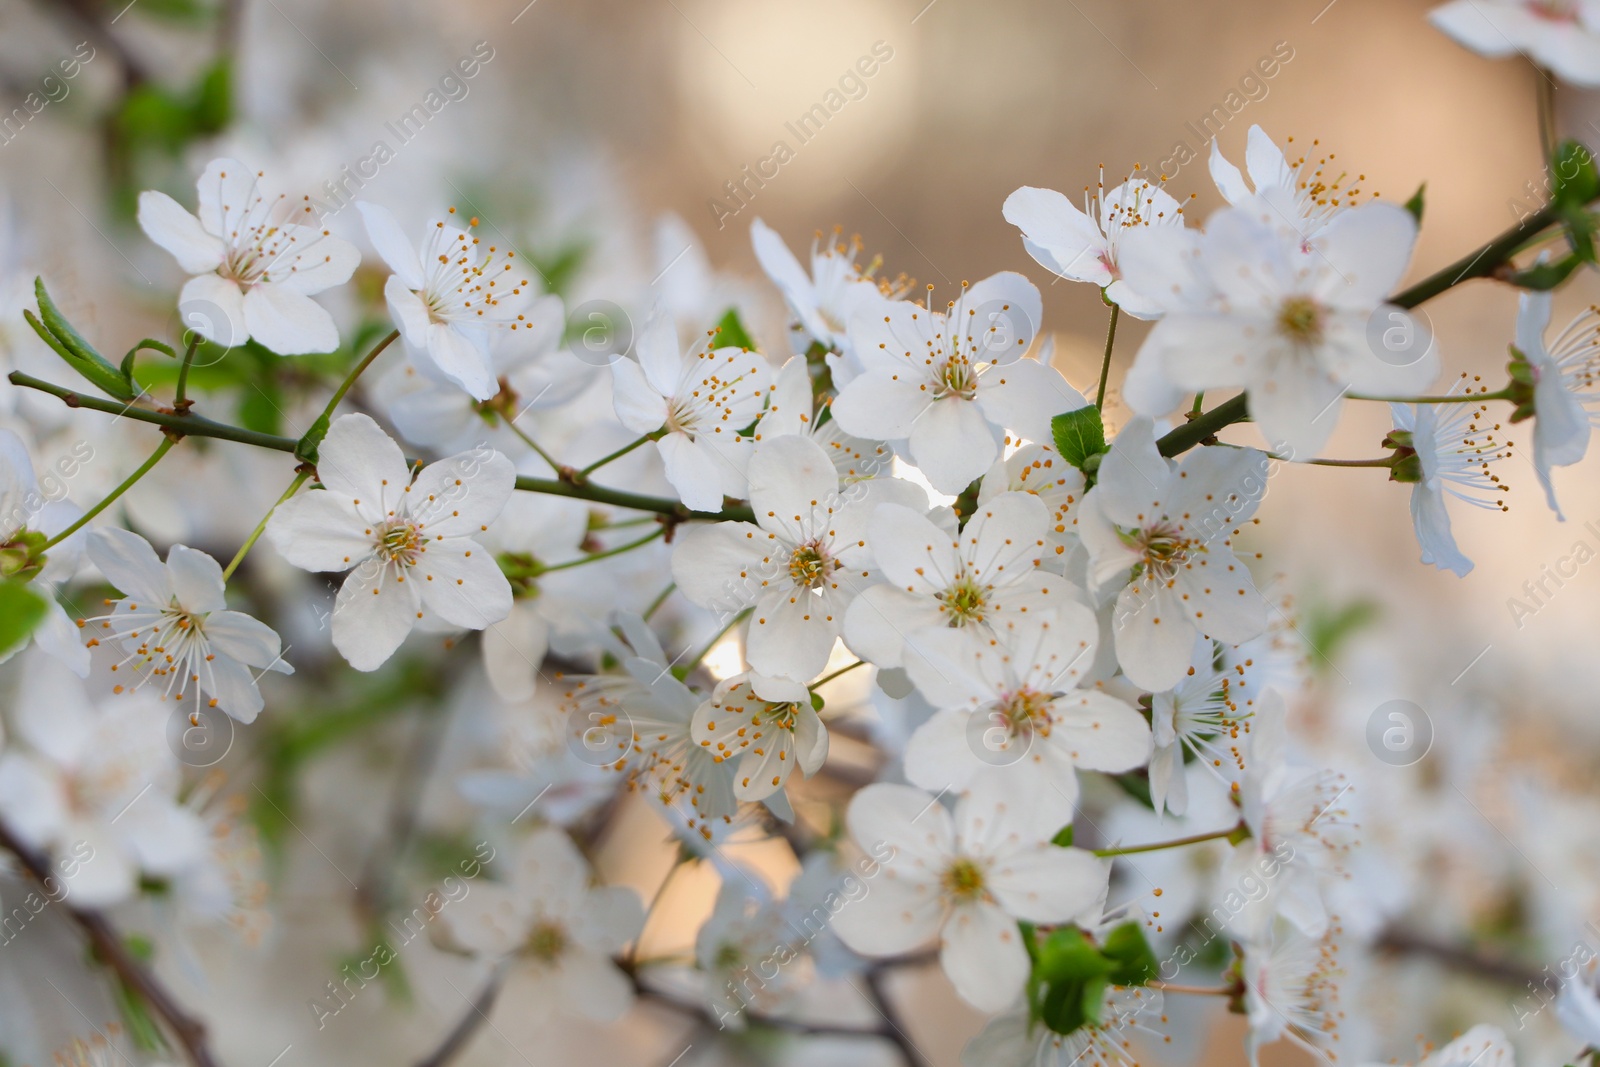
x: 1459, y: 398
x: 155, y: 457
x: 825, y: 679
x: 1197, y: 430
x: 1193, y: 839
x: 531, y: 443
x: 619, y: 550
x: 1387, y: 461
x: 655, y: 605
x: 198, y: 426
x: 1105, y: 364
x: 1480, y: 264
x: 1199, y: 402
x: 255, y: 535
x: 688, y: 668
x: 618, y: 454
x: 1545, y: 92
x: 355, y: 372
x: 180, y: 401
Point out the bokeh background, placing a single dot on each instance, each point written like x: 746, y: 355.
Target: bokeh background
x: 595, y: 120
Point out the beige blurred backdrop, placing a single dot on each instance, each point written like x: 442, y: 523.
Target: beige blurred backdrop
x: 968, y: 100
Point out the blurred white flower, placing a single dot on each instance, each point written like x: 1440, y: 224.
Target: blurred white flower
x: 1014, y: 1039
x: 1562, y: 35
x: 825, y: 300
x: 557, y: 930
x: 769, y: 724
x: 1454, y: 448
x: 1303, y: 202
x: 411, y: 543
x: 25, y: 508
x: 1291, y: 990
x: 1566, y: 385
x: 790, y: 412
x: 256, y: 262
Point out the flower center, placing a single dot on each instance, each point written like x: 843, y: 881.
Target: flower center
x: 810, y: 565
x: 547, y: 941
x: 402, y: 543
x: 781, y: 716
x: 963, y: 880
x: 1302, y: 319
x: 1164, y: 550
x: 964, y: 602
x: 1025, y: 713
x: 956, y: 378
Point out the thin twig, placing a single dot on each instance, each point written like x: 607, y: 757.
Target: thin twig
x: 466, y: 1028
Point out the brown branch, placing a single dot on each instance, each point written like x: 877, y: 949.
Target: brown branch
x: 189, y: 1031
x: 462, y: 1033
x: 1456, y: 957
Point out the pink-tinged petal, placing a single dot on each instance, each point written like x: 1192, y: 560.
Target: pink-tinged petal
x: 460, y: 495
x: 882, y: 406
x: 213, y: 307
x: 461, y: 354
x: 166, y: 223
x: 319, y: 531
x: 461, y: 583
x: 130, y: 564
x: 196, y: 579
x: 372, y: 615
x: 1059, y: 235
x: 410, y: 314
x: 358, y: 460
x: 953, y: 444
x: 391, y: 242
x: 288, y: 322
x: 983, y: 957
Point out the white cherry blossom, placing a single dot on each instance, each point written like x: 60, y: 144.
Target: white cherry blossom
x: 1012, y: 713
x: 1287, y: 319
x: 174, y: 628
x: 449, y: 294
x: 1082, y: 245
x: 27, y: 509
x: 799, y: 565
x: 1566, y: 386
x: 1455, y: 445
x: 1160, y: 538
x: 1301, y: 194
x: 977, y: 580
x: 949, y: 383
x: 965, y: 879
x: 1563, y: 35
x: 824, y: 300
x: 769, y: 724
x: 696, y: 406
x: 256, y: 262
x: 408, y: 544
x: 791, y: 411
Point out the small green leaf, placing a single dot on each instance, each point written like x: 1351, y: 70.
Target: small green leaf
x: 1414, y: 205
x: 71, y: 346
x: 1542, y: 277
x: 1135, y: 963
x: 1576, y: 178
x: 1063, y: 837
x: 21, y: 609
x: 1079, y: 434
x: 730, y: 331
x: 306, y: 448
x: 212, y: 108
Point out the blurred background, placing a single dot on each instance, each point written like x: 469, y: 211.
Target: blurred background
x: 626, y: 146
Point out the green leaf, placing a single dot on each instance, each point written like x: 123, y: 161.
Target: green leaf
x: 1414, y: 205
x: 306, y: 449
x: 1079, y: 434
x: 21, y: 609
x: 1542, y: 277
x: 212, y: 108
x: 1068, y: 955
x: 1063, y: 837
x: 146, y: 345
x: 730, y: 331
x: 1577, y: 180
x: 1135, y: 963
x: 59, y: 334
